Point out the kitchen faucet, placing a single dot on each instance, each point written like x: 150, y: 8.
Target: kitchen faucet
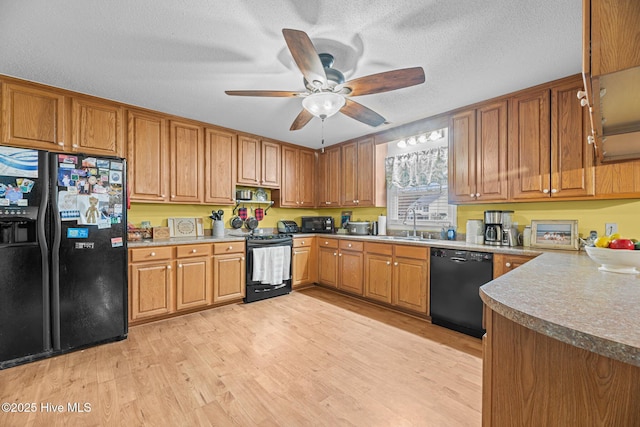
x: 406, y: 214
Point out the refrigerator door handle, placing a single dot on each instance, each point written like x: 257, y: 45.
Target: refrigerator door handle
x: 41, y: 225
x: 55, y: 258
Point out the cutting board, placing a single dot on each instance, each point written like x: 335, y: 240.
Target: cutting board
x: 185, y: 227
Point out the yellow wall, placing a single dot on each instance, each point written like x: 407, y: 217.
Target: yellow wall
x: 591, y: 215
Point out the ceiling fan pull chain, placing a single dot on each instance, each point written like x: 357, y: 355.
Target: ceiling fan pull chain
x: 322, y: 151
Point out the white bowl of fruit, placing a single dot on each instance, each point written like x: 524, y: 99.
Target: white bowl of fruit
x: 615, y: 254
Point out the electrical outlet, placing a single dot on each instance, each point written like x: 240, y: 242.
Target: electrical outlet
x: 610, y: 228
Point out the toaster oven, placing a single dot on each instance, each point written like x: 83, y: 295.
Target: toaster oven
x: 317, y: 224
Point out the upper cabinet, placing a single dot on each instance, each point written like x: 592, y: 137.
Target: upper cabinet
x: 478, y: 164
x: 186, y: 162
x: 97, y: 127
x: 298, y: 171
x: 33, y: 117
x: 329, y: 177
x: 259, y: 162
x: 221, y: 153
x: 549, y: 156
x: 148, y: 156
x: 361, y: 185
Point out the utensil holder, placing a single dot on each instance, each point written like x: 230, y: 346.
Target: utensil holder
x: 218, y: 228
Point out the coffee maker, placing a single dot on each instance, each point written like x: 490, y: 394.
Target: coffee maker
x: 493, y: 228
x: 509, y: 231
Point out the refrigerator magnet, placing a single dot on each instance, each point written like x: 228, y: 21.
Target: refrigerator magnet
x: 77, y: 233
x: 89, y: 162
x: 115, y: 177
x: 102, y: 163
x: 116, y: 166
x: 116, y: 242
x: 67, y: 159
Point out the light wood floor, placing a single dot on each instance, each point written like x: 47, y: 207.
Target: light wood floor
x: 309, y: 358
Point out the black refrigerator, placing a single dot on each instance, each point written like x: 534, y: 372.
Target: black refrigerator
x: 63, y: 253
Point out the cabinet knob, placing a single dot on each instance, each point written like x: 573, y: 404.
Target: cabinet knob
x: 61, y: 144
x: 241, y: 258
x: 152, y: 254
x: 335, y: 253
x: 162, y: 195
x: 193, y: 251
x: 327, y: 203
x: 168, y: 267
x: 353, y: 201
x: 339, y: 254
x: 477, y: 194
x: 349, y: 245
x: 297, y: 203
x: 173, y: 196
x: 507, y: 264
x: 229, y: 248
x: 303, y: 242
x: 302, y: 203
x: 554, y: 191
x: 472, y: 195
x: 75, y: 145
x: 395, y: 263
x: 326, y: 243
x: 357, y: 201
x: 545, y: 191
x: 179, y: 265
x: 388, y: 262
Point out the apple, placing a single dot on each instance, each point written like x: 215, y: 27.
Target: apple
x: 622, y: 244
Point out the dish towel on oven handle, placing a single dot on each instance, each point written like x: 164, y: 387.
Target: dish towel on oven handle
x: 271, y: 266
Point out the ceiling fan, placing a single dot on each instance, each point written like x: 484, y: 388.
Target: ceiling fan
x: 327, y: 92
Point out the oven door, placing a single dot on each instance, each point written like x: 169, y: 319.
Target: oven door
x: 255, y: 289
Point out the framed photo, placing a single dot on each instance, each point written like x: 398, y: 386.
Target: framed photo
x: 344, y: 218
x: 554, y: 234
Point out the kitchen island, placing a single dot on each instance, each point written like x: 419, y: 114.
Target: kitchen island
x: 562, y: 345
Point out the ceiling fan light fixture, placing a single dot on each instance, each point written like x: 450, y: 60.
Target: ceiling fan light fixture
x: 412, y: 141
x: 402, y: 143
x: 323, y: 104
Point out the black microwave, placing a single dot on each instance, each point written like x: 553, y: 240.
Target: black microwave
x: 317, y: 224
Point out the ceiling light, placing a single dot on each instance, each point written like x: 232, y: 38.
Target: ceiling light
x: 412, y: 141
x: 402, y: 143
x: 323, y: 104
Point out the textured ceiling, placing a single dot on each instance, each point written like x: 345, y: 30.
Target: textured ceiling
x: 178, y: 56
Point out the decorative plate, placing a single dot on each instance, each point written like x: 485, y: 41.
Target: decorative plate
x: 261, y: 195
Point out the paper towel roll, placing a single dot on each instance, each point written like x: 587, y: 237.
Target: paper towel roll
x: 382, y: 225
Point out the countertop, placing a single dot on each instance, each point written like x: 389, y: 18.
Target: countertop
x: 561, y: 294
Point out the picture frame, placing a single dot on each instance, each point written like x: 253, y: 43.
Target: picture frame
x: 345, y: 218
x: 555, y: 234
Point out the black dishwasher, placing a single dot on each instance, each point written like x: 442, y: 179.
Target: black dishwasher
x: 456, y: 277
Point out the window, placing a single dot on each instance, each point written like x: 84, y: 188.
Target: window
x: 417, y: 182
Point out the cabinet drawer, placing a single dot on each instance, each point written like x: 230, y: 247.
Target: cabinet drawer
x: 193, y: 250
x: 150, y: 254
x: 415, y: 252
x: 302, y: 242
x: 379, y: 248
x: 351, y: 245
x: 327, y: 243
x: 228, y: 248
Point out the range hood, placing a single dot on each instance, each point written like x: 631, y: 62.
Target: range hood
x: 617, y: 114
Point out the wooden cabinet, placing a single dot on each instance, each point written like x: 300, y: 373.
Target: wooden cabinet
x: 33, y: 117
x: 549, y: 156
x: 229, y: 272
x: 97, y: 127
x: 397, y: 275
x: 613, y: 32
x: 351, y: 266
x: 297, y: 189
x: 151, y: 283
x: 259, y: 162
x: 148, y: 157
x: 618, y: 180
x: 186, y: 162
x: 504, y: 263
x: 358, y: 173
x: 304, y: 262
x: 220, y: 157
x: 478, y: 160
x: 328, y: 261
x: 193, y: 276
x: 329, y: 172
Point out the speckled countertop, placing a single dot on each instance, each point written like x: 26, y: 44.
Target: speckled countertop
x: 561, y: 294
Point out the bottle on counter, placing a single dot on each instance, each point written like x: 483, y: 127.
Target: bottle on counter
x: 526, y: 236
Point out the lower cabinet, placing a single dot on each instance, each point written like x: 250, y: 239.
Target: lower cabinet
x: 328, y: 261
x: 164, y: 280
x: 303, y: 262
x: 397, y: 275
x: 504, y: 263
x: 350, y: 266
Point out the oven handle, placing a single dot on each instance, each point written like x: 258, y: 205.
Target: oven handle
x: 271, y: 289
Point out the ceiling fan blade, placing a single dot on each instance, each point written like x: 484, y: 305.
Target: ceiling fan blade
x: 274, y: 93
x: 384, y: 82
x: 301, y: 121
x: 362, y: 113
x: 305, y: 56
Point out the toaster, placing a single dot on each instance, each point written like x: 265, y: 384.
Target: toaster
x: 287, y: 226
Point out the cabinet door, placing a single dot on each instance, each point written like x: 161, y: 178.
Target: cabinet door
x: 529, y: 146
x: 351, y: 271
x: 187, y: 163
x: 228, y: 277
x: 410, y: 284
x: 148, y: 157
x: 221, y: 152
x: 491, y: 152
x: 378, y: 277
x: 33, y: 118
x: 301, y: 266
x: 366, y: 173
x: 151, y: 290
x: 270, y: 176
x: 572, y: 171
x: 290, y: 182
x: 618, y: 180
x: 503, y: 263
x: 329, y: 178
x: 97, y: 128
x: 306, y: 178
x: 248, y: 161
x: 328, y: 266
x: 462, y: 157
x: 193, y: 282
x: 349, y: 174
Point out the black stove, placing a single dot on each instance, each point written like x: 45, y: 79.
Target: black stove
x: 257, y: 290
x: 269, y: 238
